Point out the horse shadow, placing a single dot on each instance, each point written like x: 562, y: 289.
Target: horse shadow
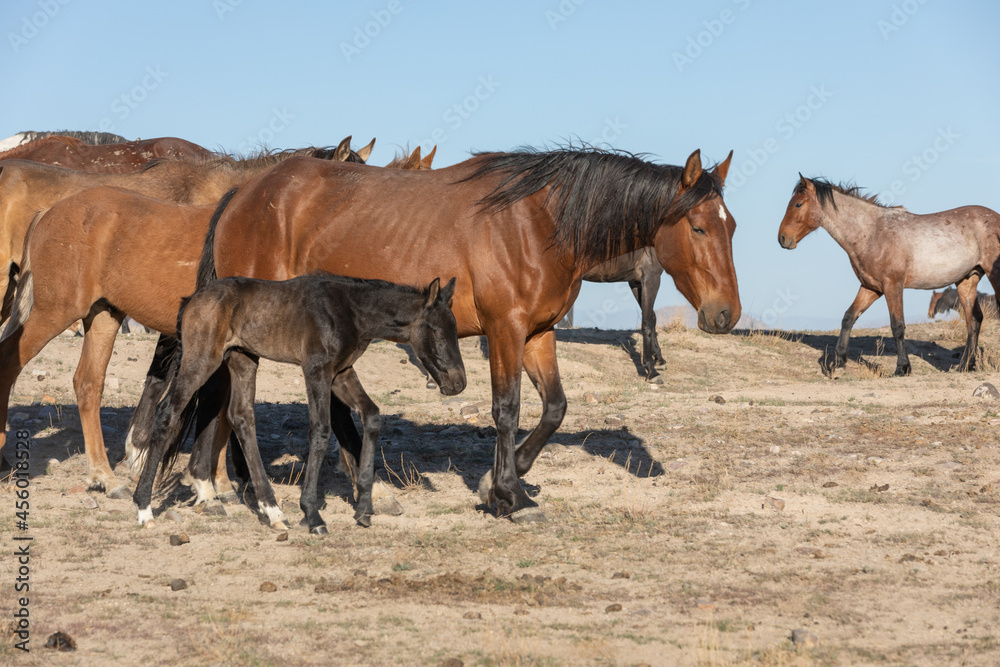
x: 863, y: 349
x: 619, y: 338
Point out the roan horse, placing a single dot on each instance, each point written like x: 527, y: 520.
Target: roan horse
x: 106, y: 158
x: 518, y: 231
x: 891, y: 249
x: 94, y: 138
x: 945, y: 300
x: 104, y: 244
x: 321, y: 322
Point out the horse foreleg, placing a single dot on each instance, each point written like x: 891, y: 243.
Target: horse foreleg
x: 100, y: 329
x: 506, y: 357
x: 894, y: 299
x: 243, y: 372
x: 862, y: 301
x: 348, y: 388
x: 318, y: 387
x: 651, y: 353
x: 543, y: 370
x: 347, y: 435
x: 141, y: 424
x: 973, y: 315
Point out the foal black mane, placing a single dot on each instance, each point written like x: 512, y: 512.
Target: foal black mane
x: 825, y: 190
x: 93, y: 138
x: 605, y: 202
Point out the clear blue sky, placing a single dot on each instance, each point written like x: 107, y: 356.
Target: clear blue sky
x: 848, y: 90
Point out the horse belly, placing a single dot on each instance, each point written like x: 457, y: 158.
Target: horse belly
x: 942, y: 261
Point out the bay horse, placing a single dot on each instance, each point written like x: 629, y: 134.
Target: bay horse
x: 518, y: 231
x: 105, y: 158
x: 322, y: 323
x: 891, y: 249
x: 118, y: 254
x: 27, y: 187
x: 945, y: 300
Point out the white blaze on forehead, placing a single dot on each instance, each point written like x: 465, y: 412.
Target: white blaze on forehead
x: 722, y: 211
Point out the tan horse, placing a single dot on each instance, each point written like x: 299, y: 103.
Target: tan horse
x: 891, y: 249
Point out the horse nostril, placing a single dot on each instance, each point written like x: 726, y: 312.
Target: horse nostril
x: 722, y: 319
x: 781, y: 240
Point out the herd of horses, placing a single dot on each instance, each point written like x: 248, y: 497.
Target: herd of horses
x: 305, y: 256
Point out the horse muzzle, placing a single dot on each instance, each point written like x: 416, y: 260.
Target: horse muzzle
x: 717, y: 320
x: 787, y: 242
x: 452, y: 382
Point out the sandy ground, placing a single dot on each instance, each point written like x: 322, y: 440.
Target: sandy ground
x: 859, y: 513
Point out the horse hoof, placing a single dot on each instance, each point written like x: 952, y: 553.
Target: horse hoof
x: 661, y: 363
x: 364, y: 520
x: 319, y: 530
x: 485, y: 484
x: 121, y: 493
x: 210, y: 509
x: 279, y: 525
x: 431, y: 384
x: 228, y: 498
x: 656, y: 379
x: 149, y: 524
x: 528, y: 515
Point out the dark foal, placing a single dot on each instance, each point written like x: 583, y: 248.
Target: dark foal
x: 321, y: 322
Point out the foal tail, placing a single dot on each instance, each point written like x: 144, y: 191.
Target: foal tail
x: 206, y: 267
x: 24, y: 297
x: 173, y: 447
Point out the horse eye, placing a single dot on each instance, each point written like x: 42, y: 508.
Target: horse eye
x: 799, y: 205
x: 698, y: 230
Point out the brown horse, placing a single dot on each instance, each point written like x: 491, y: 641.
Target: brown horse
x: 43, y: 186
x: 105, y: 158
x: 414, y: 161
x: 945, y: 300
x: 891, y: 249
x: 517, y: 230
x: 94, y: 138
x: 27, y: 187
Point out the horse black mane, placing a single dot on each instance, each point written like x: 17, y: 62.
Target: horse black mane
x: 262, y: 158
x: 825, y: 190
x: 93, y: 138
x: 606, y: 202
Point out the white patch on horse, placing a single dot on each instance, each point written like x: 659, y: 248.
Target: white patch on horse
x: 145, y: 516
x: 273, y: 514
x: 940, y: 257
x: 204, y: 490
x: 722, y: 211
x: 12, y: 142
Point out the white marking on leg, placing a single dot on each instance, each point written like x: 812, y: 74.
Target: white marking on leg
x: 129, y: 449
x: 145, y: 516
x: 204, y: 490
x: 273, y: 514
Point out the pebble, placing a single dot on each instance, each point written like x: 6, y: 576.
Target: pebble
x: 472, y: 616
x: 60, y: 641
x: 171, y: 515
x: 621, y: 575
x: 705, y: 605
x: 51, y: 463
x: 452, y: 662
x: 716, y: 398
x: 986, y: 390
x: 268, y: 587
x: 469, y: 411
x: 776, y: 503
x: 774, y: 449
x: 282, y: 536
x: 179, y: 539
x: 830, y: 485
x: 451, y: 430
x: 554, y: 448
x: 804, y: 638
x: 48, y: 400
x: 89, y: 503
x: 79, y: 488
x: 178, y: 584
x: 612, y: 608
x: 18, y: 417
x: 40, y: 374
x: 874, y: 460
x: 591, y: 397
x: 615, y: 421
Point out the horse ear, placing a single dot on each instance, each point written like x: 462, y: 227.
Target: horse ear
x: 810, y: 187
x: 343, y: 150
x: 414, y: 160
x: 722, y: 169
x: 426, y: 162
x: 432, y: 293
x: 366, y: 151
x: 448, y: 291
x: 692, y: 169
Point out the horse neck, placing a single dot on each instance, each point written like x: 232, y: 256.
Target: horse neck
x: 383, y: 314
x: 853, y: 223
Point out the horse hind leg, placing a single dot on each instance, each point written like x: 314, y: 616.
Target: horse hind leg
x: 348, y: 388
x: 894, y: 299
x: 973, y: 314
x: 141, y: 424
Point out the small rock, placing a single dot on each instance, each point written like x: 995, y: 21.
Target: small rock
x: 48, y: 400
x: 112, y: 383
x: 615, y: 421
x: 830, y: 485
x: 51, y: 463
x: 776, y: 503
x: 705, y: 605
x: 554, y: 448
x: 79, y: 488
x: 591, y: 397
x: 89, y: 503
x: 716, y: 398
x: 612, y: 608
x: 472, y: 616
x: 384, y: 501
x: 40, y: 374
x: 18, y: 417
x: 178, y: 584
x: 874, y: 460
x: 179, y: 539
x: 452, y: 662
x: 268, y: 587
x: 451, y: 430
x: 469, y: 411
x: 774, y: 449
x: 879, y: 488
x: 282, y: 536
x: 804, y: 638
x: 171, y: 515
x: 621, y: 575
x: 986, y: 390
x: 361, y: 573
x: 60, y: 641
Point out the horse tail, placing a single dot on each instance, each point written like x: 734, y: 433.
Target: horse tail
x: 206, y: 268
x: 24, y: 297
x: 173, y: 448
